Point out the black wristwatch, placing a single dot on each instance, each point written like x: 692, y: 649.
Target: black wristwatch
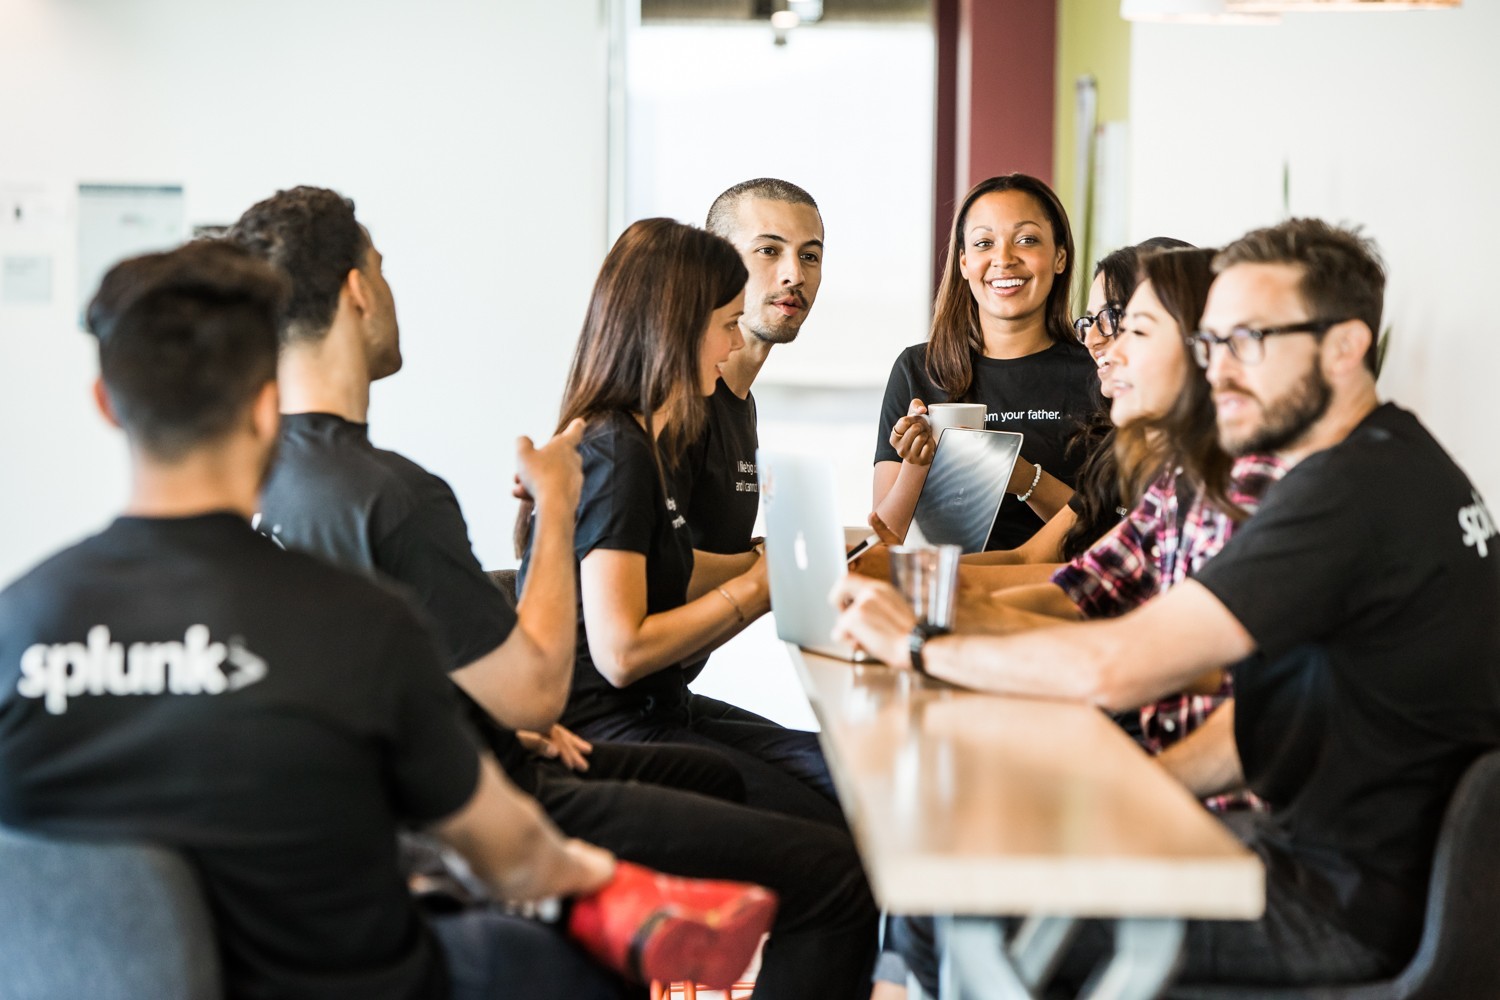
x: 918, y: 640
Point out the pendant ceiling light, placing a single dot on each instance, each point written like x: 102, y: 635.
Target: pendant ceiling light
x: 1321, y: 6
x: 1191, y: 12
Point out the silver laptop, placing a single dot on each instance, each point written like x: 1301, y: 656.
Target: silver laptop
x: 804, y: 549
x: 965, y: 486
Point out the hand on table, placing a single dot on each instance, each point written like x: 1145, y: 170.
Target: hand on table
x: 875, y: 617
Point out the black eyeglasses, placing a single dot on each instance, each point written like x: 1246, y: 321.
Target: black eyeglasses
x: 1107, y: 319
x: 1246, y: 343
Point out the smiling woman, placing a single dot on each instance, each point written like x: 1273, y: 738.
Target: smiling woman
x: 1001, y: 336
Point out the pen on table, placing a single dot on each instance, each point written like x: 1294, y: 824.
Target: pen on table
x: 854, y: 552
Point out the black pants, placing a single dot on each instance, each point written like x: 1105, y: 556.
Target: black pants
x: 1297, y: 942
x: 822, y: 945
x: 783, y: 769
x: 670, y: 765
x: 491, y: 954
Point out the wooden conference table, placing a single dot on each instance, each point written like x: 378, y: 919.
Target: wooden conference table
x: 966, y: 804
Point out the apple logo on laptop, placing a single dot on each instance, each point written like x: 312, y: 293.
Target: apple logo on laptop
x: 799, y: 551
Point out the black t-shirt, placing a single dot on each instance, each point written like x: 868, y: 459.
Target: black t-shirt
x: 335, y: 495
x: 1369, y: 581
x: 186, y: 682
x: 717, y: 484
x: 1046, y: 396
x: 624, y: 507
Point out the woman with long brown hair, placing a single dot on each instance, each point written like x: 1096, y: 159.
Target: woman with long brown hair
x: 1001, y: 336
x: 1188, y: 494
x: 662, y: 321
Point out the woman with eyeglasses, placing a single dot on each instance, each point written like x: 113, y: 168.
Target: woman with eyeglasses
x: 1187, y: 495
x: 1096, y: 505
x: 1001, y: 336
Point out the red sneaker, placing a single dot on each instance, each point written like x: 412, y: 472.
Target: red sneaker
x: 654, y: 926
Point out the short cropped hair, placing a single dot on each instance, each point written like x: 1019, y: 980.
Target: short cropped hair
x: 311, y: 234
x: 186, y: 340
x: 722, y: 214
x: 1342, y: 273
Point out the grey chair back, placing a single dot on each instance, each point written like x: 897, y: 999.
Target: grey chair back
x: 103, y: 921
x: 1459, y: 955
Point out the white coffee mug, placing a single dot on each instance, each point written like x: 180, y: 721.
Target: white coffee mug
x: 941, y: 416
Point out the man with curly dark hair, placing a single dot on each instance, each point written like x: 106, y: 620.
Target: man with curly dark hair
x: 334, y: 494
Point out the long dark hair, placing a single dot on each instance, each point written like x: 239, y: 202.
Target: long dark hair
x: 1186, y: 434
x: 638, y: 350
x: 1098, y: 482
x: 955, y: 315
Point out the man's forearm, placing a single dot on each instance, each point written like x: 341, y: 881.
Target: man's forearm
x: 524, y: 682
x: 510, y: 843
x: 1117, y: 663
x: 548, y: 606
x: 1207, y: 762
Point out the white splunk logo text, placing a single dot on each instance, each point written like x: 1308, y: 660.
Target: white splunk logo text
x: 1478, y: 526
x: 195, y: 665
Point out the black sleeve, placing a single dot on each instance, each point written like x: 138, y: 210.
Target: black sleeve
x: 899, y: 392
x: 434, y: 759
x: 1312, y: 542
x: 691, y: 465
x: 429, y: 552
x: 616, y: 509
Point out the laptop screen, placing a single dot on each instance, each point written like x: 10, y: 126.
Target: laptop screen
x: 804, y: 547
x: 965, y: 485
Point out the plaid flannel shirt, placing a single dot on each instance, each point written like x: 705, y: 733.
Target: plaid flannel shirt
x: 1156, y: 547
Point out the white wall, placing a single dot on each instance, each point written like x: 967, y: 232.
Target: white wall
x: 1386, y: 119
x: 471, y: 134
x: 845, y: 111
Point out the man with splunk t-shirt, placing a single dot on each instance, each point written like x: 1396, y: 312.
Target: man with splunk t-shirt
x: 335, y: 495
x: 179, y: 679
x: 1356, y: 609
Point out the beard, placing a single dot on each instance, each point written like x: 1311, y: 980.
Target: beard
x: 771, y: 327
x: 774, y: 334
x: 1287, y: 417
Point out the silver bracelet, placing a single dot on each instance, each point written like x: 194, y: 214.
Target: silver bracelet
x: 1023, y: 497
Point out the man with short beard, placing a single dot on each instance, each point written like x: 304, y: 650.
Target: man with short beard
x: 776, y: 227
x: 1357, y: 612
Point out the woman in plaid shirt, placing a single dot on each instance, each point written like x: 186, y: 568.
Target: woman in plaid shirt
x: 1189, y: 495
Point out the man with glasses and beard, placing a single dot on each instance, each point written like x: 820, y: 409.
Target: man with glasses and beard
x: 1356, y: 608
